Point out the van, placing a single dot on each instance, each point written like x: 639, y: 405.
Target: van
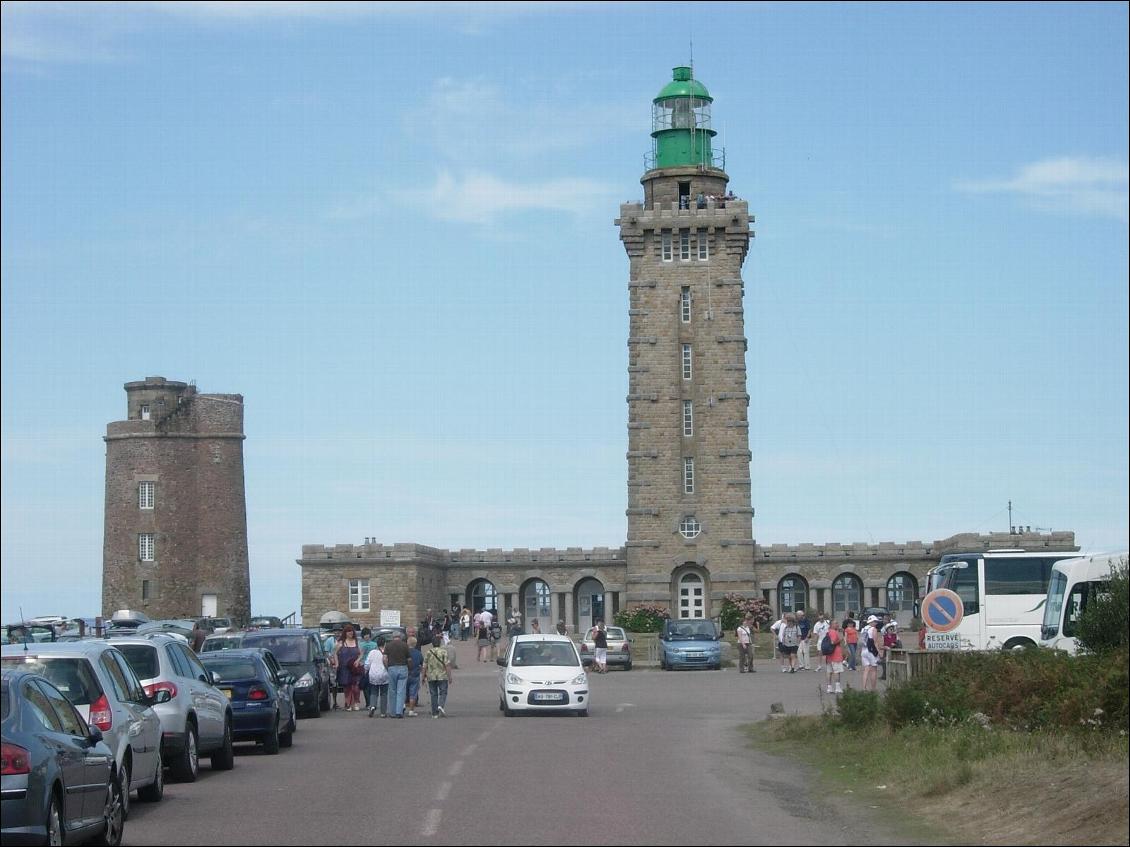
x: 690, y: 643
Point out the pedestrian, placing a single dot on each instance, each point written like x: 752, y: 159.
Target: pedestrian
x: 197, y: 641
x: 790, y: 643
x: 775, y: 628
x: 437, y: 674
x: 561, y: 628
x: 368, y: 645
x: 600, y: 644
x: 870, y: 653
x: 416, y: 661
x: 535, y: 626
x: 805, y: 626
x: 744, y: 633
x: 399, y: 658
x: 834, y: 660
x: 347, y: 653
x: 819, y: 630
x: 376, y: 663
x: 483, y: 637
x: 890, y: 633
x: 851, y: 635
x: 464, y: 623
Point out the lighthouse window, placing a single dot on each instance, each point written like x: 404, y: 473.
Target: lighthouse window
x: 666, y: 241
x: 688, y: 418
x: 685, y: 304
x: 145, y: 550
x: 688, y: 475
x: 703, y: 246
x: 144, y: 413
x: 685, y: 245
x: 145, y: 492
x: 686, y: 361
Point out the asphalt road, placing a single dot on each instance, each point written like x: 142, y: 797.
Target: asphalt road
x: 660, y: 760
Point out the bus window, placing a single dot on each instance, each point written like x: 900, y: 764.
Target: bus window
x: 963, y: 581
x: 1017, y: 575
x: 1081, y: 593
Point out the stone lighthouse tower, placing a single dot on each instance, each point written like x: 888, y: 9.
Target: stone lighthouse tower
x: 690, y: 519
x: 175, y: 542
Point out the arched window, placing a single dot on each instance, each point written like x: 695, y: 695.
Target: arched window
x: 692, y: 596
x: 793, y: 594
x: 536, y: 601
x: 902, y: 589
x: 847, y: 595
x: 483, y: 596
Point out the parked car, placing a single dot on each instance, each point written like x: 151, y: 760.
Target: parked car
x: 265, y: 622
x: 542, y: 673
x: 262, y: 707
x: 59, y: 783
x: 181, y: 627
x: 690, y: 643
x: 300, y: 652
x: 619, y: 650
x: 218, y: 625
x: 102, y: 686
x: 224, y: 641
x: 197, y: 719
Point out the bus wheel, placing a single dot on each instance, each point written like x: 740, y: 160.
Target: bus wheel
x: 1018, y: 644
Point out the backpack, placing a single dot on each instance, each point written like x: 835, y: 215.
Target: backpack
x: 871, y: 648
x: 827, y: 645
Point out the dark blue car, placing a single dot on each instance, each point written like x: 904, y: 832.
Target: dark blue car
x: 59, y: 781
x: 261, y: 696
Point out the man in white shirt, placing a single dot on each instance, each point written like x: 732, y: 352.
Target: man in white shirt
x: 745, y: 646
x: 819, y: 630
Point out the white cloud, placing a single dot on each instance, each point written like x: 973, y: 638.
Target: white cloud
x: 1076, y: 185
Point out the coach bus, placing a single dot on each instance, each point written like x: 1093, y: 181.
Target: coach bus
x: 1073, y: 584
x: 1003, y: 592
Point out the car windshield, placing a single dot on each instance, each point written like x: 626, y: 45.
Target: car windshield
x: 222, y: 642
x: 288, y: 649
x: 32, y: 633
x: 142, y: 658
x: 545, y: 655
x: 227, y: 670
x: 73, y: 677
x: 692, y: 630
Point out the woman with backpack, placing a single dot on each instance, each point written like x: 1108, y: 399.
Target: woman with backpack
x: 832, y: 649
x: 870, y: 652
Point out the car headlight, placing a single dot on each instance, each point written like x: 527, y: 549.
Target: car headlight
x: 304, y: 681
x: 579, y: 679
x: 514, y: 679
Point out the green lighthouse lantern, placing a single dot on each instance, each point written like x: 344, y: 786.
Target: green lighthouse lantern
x: 680, y: 124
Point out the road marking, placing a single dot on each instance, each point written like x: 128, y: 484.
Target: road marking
x: 442, y: 792
x: 621, y: 707
x: 483, y: 736
x: 431, y: 824
x: 467, y: 751
x: 456, y: 766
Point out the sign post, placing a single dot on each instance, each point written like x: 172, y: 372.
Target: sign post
x: 942, y: 611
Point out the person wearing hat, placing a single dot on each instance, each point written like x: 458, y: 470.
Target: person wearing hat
x: 870, y: 652
x: 561, y: 630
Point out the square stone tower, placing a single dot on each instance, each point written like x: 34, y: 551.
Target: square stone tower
x: 175, y: 542
x: 690, y: 527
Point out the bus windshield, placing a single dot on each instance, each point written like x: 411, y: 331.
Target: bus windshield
x: 1057, y: 587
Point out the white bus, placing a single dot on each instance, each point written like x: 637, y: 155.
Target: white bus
x: 1003, y: 591
x: 1074, y: 582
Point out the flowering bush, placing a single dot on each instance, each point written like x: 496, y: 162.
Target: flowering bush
x: 644, y: 617
x: 735, y: 607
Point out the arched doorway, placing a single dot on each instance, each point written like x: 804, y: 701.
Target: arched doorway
x: 902, y: 589
x: 792, y: 593
x: 847, y: 595
x: 691, y: 596
x: 482, y: 595
x: 590, y: 604
x: 535, y: 606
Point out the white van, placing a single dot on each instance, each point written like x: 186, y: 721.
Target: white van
x: 1072, y: 585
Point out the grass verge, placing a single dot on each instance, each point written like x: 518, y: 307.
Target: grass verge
x: 966, y: 784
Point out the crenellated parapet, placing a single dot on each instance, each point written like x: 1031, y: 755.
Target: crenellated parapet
x: 372, y: 553
x: 911, y: 550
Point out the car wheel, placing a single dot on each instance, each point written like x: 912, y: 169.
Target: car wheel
x: 55, y: 834
x: 501, y: 705
x: 154, y: 791
x: 324, y: 702
x: 187, y: 764
x: 271, y: 739
x: 506, y: 710
x: 628, y: 666
x: 287, y: 737
x: 224, y: 758
x: 126, y: 785
x: 111, y: 834
x: 582, y: 713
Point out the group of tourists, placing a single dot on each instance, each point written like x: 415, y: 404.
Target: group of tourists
x: 840, y: 645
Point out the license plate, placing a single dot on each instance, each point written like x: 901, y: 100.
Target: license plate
x: 547, y: 696
x: 227, y: 691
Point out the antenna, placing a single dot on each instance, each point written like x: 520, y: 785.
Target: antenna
x: 1011, y: 528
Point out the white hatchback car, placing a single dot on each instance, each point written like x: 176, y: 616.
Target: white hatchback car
x: 542, y: 673
x: 102, y: 686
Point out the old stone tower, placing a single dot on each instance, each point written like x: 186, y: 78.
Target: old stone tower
x: 175, y: 541
x: 690, y: 528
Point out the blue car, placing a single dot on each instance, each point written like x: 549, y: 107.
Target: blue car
x: 60, y: 785
x: 690, y: 643
x: 261, y: 695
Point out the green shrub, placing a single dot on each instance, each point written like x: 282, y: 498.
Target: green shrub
x: 904, y: 706
x: 735, y: 607
x: 858, y: 710
x: 645, y: 617
x: 1105, y: 623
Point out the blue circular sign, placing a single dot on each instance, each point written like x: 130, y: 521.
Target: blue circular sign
x: 942, y: 610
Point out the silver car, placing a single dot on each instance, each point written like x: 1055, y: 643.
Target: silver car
x: 197, y: 719
x: 619, y: 649
x: 102, y: 686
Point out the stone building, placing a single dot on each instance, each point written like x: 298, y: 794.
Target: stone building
x: 690, y: 519
x: 175, y: 542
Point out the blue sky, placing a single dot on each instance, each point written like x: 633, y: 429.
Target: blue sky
x: 389, y: 226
